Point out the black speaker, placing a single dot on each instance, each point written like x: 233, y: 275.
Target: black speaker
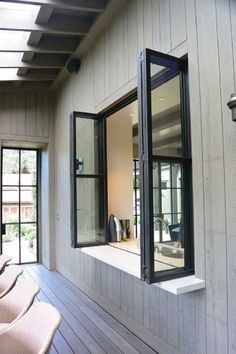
x: 73, y: 65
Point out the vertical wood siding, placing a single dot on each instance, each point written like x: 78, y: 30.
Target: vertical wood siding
x: 25, y: 116
x: 204, y: 321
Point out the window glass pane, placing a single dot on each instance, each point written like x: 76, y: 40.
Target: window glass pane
x: 28, y: 243
x: 88, y: 159
x: 156, y: 201
x: 166, y: 200
x: 10, y: 204
x: 90, y: 213
x: 10, y: 242
x: 176, y: 171
x: 168, y: 221
x: 165, y: 110
x: 28, y: 167
x: 176, y: 201
x: 155, y: 174
x: 28, y: 202
x: 10, y: 173
x: 167, y: 256
x: 165, y: 175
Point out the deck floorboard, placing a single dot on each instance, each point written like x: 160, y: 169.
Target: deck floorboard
x: 85, y: 327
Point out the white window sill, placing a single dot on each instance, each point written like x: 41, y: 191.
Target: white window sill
x: 182, y: 285
x: 130, y: 263
x: 118, y: 258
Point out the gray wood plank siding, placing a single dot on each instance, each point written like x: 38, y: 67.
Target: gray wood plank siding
x: 27, y: 120
x: 203, y: 322
x: 25, y: 116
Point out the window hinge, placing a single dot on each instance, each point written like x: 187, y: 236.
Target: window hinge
x: 142, y: 157
x: 140, y: 56
x: 144, y: 272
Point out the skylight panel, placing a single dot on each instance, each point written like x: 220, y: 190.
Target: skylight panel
x: 18, y: 7
x: 8, y: 74
x: 10, y: 60
x: 14, y: 13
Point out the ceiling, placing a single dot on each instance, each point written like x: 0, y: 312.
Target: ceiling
x: 38, y: 37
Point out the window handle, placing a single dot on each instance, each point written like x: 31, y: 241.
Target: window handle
x: 3, y: 229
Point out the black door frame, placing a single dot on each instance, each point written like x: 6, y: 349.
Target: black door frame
x: 38, y: 166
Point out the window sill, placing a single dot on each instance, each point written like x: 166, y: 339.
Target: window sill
x: 118, y: 258
x: 182, y: 285
x: 130, y: 263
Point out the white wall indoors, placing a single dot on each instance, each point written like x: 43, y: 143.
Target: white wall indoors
x: 120, y: 166
x: 204, y: 321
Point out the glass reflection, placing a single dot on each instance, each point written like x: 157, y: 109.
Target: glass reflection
x: 87, y: 146
x: 90, y: 225
x: 167, y: 219
x: 166, y: 116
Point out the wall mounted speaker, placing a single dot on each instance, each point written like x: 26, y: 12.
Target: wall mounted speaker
x: 73, y: 65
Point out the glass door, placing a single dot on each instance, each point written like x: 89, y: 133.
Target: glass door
x: 19, y: 207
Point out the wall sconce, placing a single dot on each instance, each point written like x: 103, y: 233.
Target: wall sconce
x: 232, y: 105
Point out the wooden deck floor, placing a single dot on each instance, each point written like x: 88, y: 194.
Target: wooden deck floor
x: 86, y: 327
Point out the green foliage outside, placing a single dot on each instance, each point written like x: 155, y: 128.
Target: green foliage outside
x: 11, y: 162
x: 29, y: 234
x: 7, y: 238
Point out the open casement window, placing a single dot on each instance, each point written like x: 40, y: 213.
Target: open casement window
x: 165, y: 167
x: 88, y: 180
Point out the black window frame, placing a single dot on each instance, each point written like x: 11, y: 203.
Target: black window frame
x: 145, y: 164
x: 176, y: 67
x: 100, y: 176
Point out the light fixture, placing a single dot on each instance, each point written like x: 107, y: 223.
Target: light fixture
x: 232, y: 105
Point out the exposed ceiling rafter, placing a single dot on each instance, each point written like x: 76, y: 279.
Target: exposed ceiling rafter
x: 12, y: 20
x: 38, y: 37
x: 74, y: 5
x: 37, y: 75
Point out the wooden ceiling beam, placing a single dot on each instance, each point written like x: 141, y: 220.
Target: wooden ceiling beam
x: 38, y: 75
x: 96, y: 6
x: 18, y: 63
x: 13, y: 20
x: 19, y: 44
